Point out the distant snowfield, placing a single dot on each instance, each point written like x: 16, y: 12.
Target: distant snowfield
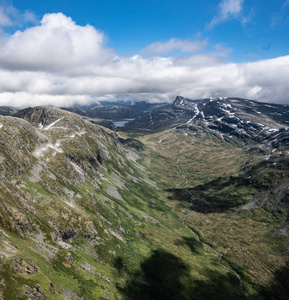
x: 1, y: 125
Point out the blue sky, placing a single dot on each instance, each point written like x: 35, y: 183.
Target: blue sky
x: 260, y: 30
x: 144, y: 50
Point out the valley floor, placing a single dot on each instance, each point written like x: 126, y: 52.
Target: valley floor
x: 207, y: 181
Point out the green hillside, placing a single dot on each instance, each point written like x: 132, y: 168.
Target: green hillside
x: 81, y: 218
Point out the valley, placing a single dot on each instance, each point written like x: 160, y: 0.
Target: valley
x: 183, y: 202
x: 239, y: 190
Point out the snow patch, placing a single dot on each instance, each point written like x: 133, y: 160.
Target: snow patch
x: 229, y: 113
x: 227, y: 105
x: 197, y: 111
x: 52, y: 124
x: 151, y: 119
x: 273, y: 129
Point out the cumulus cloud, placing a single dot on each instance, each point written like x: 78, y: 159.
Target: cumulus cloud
x: 56, y: 44
x: 188, y: 46
x: 61, y: 63
x: 227, y: 9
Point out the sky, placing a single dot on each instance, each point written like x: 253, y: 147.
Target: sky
x: 66, y: 53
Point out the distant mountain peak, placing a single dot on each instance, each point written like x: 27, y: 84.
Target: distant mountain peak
x: 230, y: 117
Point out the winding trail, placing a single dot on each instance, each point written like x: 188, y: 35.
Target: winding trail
x: 191, y: 204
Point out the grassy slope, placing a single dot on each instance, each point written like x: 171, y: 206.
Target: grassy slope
x: 125, y: 240
x: 216, y: 172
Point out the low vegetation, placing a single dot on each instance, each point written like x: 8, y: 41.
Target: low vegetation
x: 176, y: 214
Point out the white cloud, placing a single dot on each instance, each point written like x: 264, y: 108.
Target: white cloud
x: 174, y: 44
x: 58, y: 43
x: 60, y: 63
x: 4, y: 18
x: 230, y: 7
x: 227, y: 9
x: 29, y: 17
x: 11, y: 16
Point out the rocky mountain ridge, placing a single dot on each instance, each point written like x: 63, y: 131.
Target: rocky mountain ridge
x: 230, y: 117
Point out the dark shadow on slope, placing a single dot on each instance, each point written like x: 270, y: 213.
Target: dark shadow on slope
x: 279, y: 289
x: 226, y: 193
x: 164, y: 276
x: 195, y: 246
x: 203, y: 201
x: 119, y: 264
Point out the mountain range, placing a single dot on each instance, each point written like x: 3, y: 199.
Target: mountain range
x: 186, y: 201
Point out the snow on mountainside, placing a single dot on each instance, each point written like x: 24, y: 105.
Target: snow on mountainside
x: 230, y: 117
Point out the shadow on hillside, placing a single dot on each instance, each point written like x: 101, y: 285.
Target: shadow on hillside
x: 203, y: 200
x: 227, y: 193
x: 164, y: 276
x: 279, y: 288
x: 195, y: 246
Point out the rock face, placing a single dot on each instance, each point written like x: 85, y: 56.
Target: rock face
x: 242, y: 118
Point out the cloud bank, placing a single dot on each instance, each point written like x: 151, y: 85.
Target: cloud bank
x: 61, y: 63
